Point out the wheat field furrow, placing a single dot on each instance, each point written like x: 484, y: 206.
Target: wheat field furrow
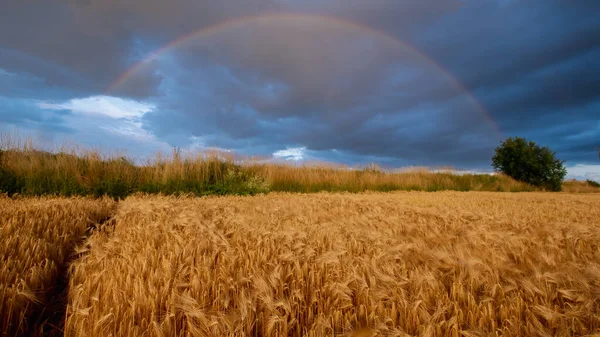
x: 37, y: 237
x: 396, y: 264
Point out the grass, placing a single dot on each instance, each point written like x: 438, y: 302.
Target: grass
x: 371, y: 264
x: 592, y: 183
x: 37, y: 238
x: 34, y: 172
x: 575, y: 186
x: 27, y: 170
x: 310, y: 179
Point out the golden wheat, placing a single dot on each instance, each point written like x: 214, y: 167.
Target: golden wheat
x: 36, y: 237
x: 397, y: 264
x: 575, y: 186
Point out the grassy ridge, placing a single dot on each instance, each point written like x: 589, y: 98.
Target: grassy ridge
x: 575, y: 186
x: 29, y: 171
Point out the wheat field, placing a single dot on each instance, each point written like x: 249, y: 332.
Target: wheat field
x: 371, y: 264
x: 37, y: 236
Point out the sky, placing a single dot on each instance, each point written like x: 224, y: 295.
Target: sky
x: 392, y: 82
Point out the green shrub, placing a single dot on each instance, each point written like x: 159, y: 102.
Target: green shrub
x: 593, y: 183
x: 528, y: 162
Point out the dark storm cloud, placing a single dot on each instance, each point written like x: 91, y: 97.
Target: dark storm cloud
x: 400, y: 18
x: 533, y: 64
x: 310, y: 83
x: 21, y: 113
x: 96, y: 39
x: 256, y: 78
x: 47, y: 32
x: 20, y: 95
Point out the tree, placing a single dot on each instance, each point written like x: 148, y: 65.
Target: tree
x: 528, y: 162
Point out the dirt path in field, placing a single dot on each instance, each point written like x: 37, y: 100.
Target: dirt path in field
x: 51, y: 321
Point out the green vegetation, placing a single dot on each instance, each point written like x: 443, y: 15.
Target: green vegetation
x: 42, y: 173
x: 528, y: 162
x: 33, y: 172
x: 593, y: 183
x: 25, y: 170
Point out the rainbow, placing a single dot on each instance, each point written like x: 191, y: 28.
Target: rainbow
x: 282, y: 17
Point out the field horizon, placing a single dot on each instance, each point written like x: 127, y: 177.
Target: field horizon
x: 27, y: 168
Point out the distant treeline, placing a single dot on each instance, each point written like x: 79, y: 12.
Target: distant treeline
x: 29, y: 171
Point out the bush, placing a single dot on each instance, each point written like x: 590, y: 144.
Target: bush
x: 528, y: 162
x: 592, y: 183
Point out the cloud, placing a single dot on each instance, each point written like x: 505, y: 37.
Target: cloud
x: 117, y: 116
x: 522, y: 71
x: 23, y: 112
x: 113, y: 107
x: 98, y: 41
x: 295, y: 154
x: 274, y: 84
x: 21, y: 85
x: 392, y: 104
x: 582, y: 172
x: 259, y: 88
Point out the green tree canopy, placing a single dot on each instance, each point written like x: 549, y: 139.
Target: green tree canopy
x: 528, y: 162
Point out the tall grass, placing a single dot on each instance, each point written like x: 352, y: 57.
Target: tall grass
x: 307, y: 179
x: 26, y: 169
x: 574, y: 186
x: 34, y: 172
